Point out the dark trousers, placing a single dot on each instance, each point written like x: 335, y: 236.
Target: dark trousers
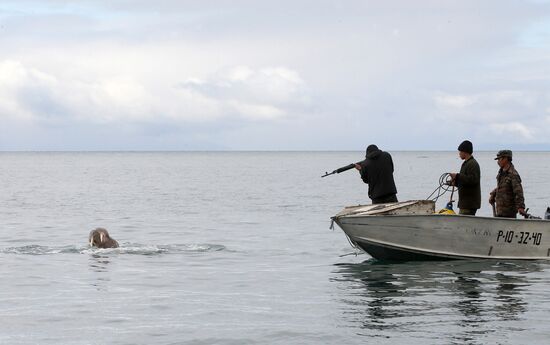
x: 385, y: 199
x: 468, y: 211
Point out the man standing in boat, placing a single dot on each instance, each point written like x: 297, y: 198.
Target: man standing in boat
x: 508, y: 195
x: 377, y: 171
x: 468, y: 180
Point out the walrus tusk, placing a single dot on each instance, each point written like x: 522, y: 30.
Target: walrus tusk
x: 100, y: 238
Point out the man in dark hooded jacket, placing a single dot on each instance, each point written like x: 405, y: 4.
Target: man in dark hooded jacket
x: 377, y: 171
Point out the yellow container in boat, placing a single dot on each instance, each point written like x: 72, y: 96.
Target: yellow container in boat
x: 446, y: 211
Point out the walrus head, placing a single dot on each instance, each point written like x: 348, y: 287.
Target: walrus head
x: 100, y: 238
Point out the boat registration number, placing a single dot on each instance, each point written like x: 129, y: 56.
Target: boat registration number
x: 522, y: 237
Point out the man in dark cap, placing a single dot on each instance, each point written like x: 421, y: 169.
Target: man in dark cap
x: 377, y: 171
x: 468, y: 180
x: 508, y: 195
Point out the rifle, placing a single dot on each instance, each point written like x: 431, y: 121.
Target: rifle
x: 529, y: 216
x: 342, y: 169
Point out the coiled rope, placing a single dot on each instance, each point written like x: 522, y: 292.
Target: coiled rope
x: 444, y: 186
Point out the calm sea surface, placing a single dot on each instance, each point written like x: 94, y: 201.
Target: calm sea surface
x: 235, y: 248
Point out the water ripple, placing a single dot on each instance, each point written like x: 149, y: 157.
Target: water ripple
x: 125, y: 248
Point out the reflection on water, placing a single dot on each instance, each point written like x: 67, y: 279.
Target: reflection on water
x: 459, y: 298
x: 509, y: 292
x: 99, y: 263
x: 99, y: 266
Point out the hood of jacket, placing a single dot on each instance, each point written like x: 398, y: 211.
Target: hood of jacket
x: 374, y: 154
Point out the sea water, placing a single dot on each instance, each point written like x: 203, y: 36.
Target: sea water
x: 235, y: 248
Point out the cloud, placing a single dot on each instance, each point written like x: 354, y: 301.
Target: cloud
x: 241, y: 93
x: 513, y: 115
x: 497, y: 105
x: 27, y: 93
x: 267, y: 93
x: 497, y: 98
x: 454, y: 101
x: 513, y: 130
x: 217, y: 73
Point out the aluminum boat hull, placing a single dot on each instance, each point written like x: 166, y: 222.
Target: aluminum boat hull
x: 435, y: 236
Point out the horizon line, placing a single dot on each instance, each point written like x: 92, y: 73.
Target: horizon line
x: 251, y: 150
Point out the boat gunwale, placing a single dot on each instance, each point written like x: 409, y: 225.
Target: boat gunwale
x: 351, y: 216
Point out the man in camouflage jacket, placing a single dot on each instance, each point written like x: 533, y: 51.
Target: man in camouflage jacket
x: 508, y: 195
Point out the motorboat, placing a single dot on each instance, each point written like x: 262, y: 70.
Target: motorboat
x: 413, y: 230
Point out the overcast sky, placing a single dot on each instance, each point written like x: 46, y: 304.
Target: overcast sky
x: 277, y: 75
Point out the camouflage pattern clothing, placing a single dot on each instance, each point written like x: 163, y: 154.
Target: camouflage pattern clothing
x: 509, y: 193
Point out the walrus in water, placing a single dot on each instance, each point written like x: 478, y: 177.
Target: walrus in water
x: 100, y: 238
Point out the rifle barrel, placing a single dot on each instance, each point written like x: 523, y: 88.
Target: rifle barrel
x: 342, y: 169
